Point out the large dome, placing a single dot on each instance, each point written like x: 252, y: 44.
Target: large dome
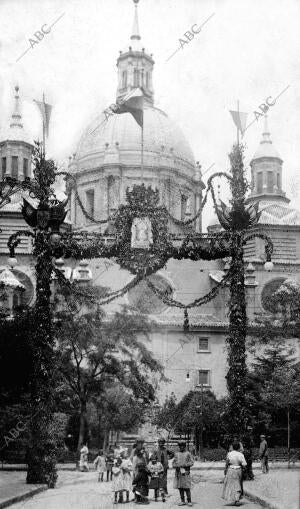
x: 117, y: 140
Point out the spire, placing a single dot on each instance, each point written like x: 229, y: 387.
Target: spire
x: 266, y: 132
x: 266, y: 147
x: 135, y: 28
x: 16, y: 115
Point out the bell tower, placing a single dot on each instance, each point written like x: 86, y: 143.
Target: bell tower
x: 16, y: 148
x: 135, y: 65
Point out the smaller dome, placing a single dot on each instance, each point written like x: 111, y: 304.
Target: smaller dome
x: 266, y: 147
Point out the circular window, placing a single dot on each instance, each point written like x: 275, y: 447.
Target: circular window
x: 267, y: 295
x: 145, y: 300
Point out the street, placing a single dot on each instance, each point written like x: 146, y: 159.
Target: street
x: 82, y: 491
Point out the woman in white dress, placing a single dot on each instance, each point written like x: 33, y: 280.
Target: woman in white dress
x: 233, y: 488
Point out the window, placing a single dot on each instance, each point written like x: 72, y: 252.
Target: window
x: 204, y: 377
x: 90, y: 202
x: 278, y: 181
x: 270, y: 182
x: 136, y: 78
x: 124, y: 79
x: 203, y: 345
x: 269, y: 303
x: 25, y: 168
x: 259, y: 182
x: 14, y: 167
x: 183, y: 206
x: 3, y: 167
x: 147, y: 80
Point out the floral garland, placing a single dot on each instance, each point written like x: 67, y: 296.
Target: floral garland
x: 197, y: 302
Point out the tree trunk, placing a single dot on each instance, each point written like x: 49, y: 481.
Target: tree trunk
x: 105, y: 440
x: 82, y: 424
x: 41, y: 452
x: 288, y: 435
x: 236, y: 341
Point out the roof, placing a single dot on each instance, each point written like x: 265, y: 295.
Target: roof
x: 117, y: 140
x: 8, y: 279
x: 278, y: 214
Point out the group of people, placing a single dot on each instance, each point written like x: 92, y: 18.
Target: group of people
x: 141, y: 472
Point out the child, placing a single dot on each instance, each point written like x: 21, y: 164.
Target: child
x: 109, y: 464
x: 156, y: 471
x: 100, y: 464
x: 84, y: 453
x: 117, y: 479
x: 182, y: 463
x: 126, y: 469
x: 140, y: 481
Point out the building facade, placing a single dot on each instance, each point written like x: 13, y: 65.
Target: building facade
x: 109, y: 158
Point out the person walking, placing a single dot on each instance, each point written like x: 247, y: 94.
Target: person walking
x: 182, y: 462
x: 263, y: 454
x: 100, y: 465
x: 233, y: 488
x: 84, y: 454
x: 109, y: 464
x: 163, y: 456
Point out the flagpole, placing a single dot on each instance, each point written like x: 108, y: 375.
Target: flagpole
x: 44, y: 127
x: 237, y: 129
x: 142, y: 152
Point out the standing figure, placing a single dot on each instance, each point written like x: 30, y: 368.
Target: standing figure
x: 156, y: 470
x: 248, y: 471
x: 139, y: 447
x: 109, y: 464
x: 183, y: 461
x: 83, y: 463
x: 140, y: 483
x: 263, y: 454
x: 100, y: 465
x: 236, y: 439
x: 117, y: 479
x: 163, y: 457
x: 126, y: 469
x: 233, y: 489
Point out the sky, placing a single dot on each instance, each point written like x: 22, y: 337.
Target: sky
x: 248, y: 51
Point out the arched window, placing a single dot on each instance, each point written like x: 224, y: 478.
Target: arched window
x: 14, y: 167
x: 25, y: 167
x: 268, y: 301
x: 124, y: 79
x: 136, y: 78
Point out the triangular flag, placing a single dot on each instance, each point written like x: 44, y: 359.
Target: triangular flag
x: 45, y: 110
x: 132, y: 103
x: 240, y: 119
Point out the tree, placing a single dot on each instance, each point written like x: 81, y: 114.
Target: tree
x: 94, y: 352
x: 193, y: 411
x: 282, y: 392
x: 117, y: 410
x: 273, y: 359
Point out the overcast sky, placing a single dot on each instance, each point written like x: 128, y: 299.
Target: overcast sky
x: 249, y: 50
